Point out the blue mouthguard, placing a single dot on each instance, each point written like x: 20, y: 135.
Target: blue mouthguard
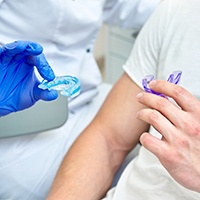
x: 69, y: 85
x: 174, y: 77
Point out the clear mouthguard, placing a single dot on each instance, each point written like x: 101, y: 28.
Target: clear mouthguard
x: 174, y: 77
x: 68, y: 85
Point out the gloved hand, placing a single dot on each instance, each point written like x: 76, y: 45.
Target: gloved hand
x: 18, y: 82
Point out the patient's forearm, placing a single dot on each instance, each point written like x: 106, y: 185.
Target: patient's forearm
x: 88, y: 169
x: 77, y: 177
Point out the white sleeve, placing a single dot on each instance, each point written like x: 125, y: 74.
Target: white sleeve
x: 145, y: 56
x: 128, y: 13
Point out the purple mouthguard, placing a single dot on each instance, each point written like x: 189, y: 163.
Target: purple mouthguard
x: 174, y: 77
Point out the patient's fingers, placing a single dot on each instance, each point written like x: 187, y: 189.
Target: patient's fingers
x: 162, y: 105
x: 159, y: 122
x: 153, y: 144
x: 182, y: 97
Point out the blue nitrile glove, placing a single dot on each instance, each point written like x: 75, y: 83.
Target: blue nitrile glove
x: 18, y: 82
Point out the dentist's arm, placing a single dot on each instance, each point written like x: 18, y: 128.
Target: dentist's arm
x: 88, y: 169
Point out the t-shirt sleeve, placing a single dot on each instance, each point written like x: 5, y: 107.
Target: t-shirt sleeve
x: 144, y: 58
x: 128, y: 13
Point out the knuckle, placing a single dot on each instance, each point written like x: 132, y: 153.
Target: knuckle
x: 169, y: 156
x: 194, y: 129
x: 183, y: 142
x: 153, y: 116
x: 191, y: 127
x: 178, y: 91
x: 162, y: 103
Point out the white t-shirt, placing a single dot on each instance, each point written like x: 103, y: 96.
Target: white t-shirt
x: 169, y: 41
x: 67, y: 30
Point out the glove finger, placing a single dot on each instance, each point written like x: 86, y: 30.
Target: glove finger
x: 45, y: 95
x: 17, y: 47
x: 32, y: 49
x: 49, y: 95
x: 5, y: 111
x: 18, y: 50
x: 1, y: 49
x: 42, y: 66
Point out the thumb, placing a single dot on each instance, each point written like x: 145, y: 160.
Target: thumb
x: 45, y: 95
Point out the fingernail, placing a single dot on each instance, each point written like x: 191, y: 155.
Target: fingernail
x: 152, y: 83
x: 139, y: 96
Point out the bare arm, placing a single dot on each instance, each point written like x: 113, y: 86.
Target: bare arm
x: 88, y: 169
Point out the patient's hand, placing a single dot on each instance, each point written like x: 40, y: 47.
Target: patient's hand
x: 179, y: 148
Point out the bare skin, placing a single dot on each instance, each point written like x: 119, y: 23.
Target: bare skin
x: 179, y: 125
x: 89, y: 167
